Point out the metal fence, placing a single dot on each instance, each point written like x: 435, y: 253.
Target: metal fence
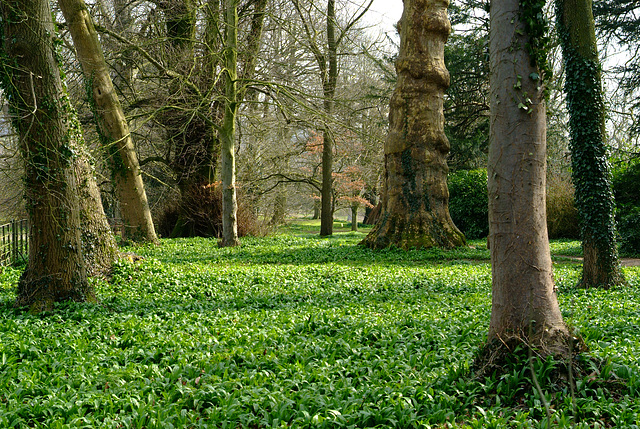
x: 14, y: 242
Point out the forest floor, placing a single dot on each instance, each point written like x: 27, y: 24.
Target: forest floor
x: 294, y: 330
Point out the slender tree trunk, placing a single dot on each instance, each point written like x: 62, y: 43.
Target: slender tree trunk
x: 590, y: 167
x: 524, y: 303
x: 329, y: 80
x: 354, y: 218
x: 415, y: 199
x: 228, y: 130
x: 112, y: 124
x: 49, y: 134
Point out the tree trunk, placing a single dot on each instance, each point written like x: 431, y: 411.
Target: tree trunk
x: 111, y: 123
x: 590, y: 166
x: 415, y: 201
x: 329, y: 80
x: 354, y: 218
x: 49, y: 134
x: 194, y: 142
x: 279, y: 209
x: 227, y: 131
x: 99, y: 247
x: 524, y: 303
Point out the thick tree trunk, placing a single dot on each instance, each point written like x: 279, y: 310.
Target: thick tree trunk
x: 590, y: 167
x: 524, y: 303
x: 112, y: 124
x: 279, y: 209
x: 194, y: 142
x: 49, y: 134
x: 227, y: 131
x: 415, y: 199
x: 99, y: 247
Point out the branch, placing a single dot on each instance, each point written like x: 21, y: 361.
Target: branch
x: 170, y: 73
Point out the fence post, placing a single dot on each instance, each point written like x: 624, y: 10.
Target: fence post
x: 14, y: 244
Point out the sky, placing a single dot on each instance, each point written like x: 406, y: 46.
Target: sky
x: 385, y: 14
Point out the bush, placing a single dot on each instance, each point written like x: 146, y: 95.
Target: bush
x: 626, y: 188
x: 201, y: 213
x: 468, y: 202
x: 562, y: 215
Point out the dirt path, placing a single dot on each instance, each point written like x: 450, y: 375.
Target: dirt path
x: 625, y: 262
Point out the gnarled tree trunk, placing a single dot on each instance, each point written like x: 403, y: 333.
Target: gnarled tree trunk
x: 415, y: 199
x: 112, y: 124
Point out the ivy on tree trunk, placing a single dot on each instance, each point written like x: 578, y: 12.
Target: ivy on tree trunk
x: 590, y: 166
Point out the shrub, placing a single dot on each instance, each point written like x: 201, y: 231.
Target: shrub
x: 202, y: 215
x: 626, y: 188
x: 562, y: 215
x: 468, y: 202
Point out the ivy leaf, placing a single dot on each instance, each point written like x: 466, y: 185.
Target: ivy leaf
x: 534, y: 76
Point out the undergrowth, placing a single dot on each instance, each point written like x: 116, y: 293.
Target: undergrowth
x: 293, y: 331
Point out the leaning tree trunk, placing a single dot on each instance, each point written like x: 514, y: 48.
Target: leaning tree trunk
x: 111, y: 123
x: 590, y: 167
x: 524, y: 304
x: 99, y: 247
x: 49, y: 134
x: 415, y: 202
x: 228, y: 128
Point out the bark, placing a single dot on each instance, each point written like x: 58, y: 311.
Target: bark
x: 193, y: 140
x: 590, y: 168
x: 228, y: 129
x: 415, y: 198
x: 354, y: 218
x: 111, y: 123
x: 524, y: 303
x: 99, y: 247
x: 329, y: 77
x: 49, y: 134
x: 279, y: 209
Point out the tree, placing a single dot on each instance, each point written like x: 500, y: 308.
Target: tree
x: 111, y: 123
x: 524, y: 303
x: 49, y: 142
x: 228, y: 129
x: 619, y: 21
x: 415, y: 198
x: 590, y: 166
x: 327, y: 60
x: 466, y: 106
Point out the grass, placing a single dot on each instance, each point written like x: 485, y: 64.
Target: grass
x: 299, y: 331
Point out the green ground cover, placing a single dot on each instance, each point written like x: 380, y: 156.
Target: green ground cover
x: 298, y: 331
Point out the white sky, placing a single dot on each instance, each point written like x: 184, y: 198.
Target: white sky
x: 385, y: 14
